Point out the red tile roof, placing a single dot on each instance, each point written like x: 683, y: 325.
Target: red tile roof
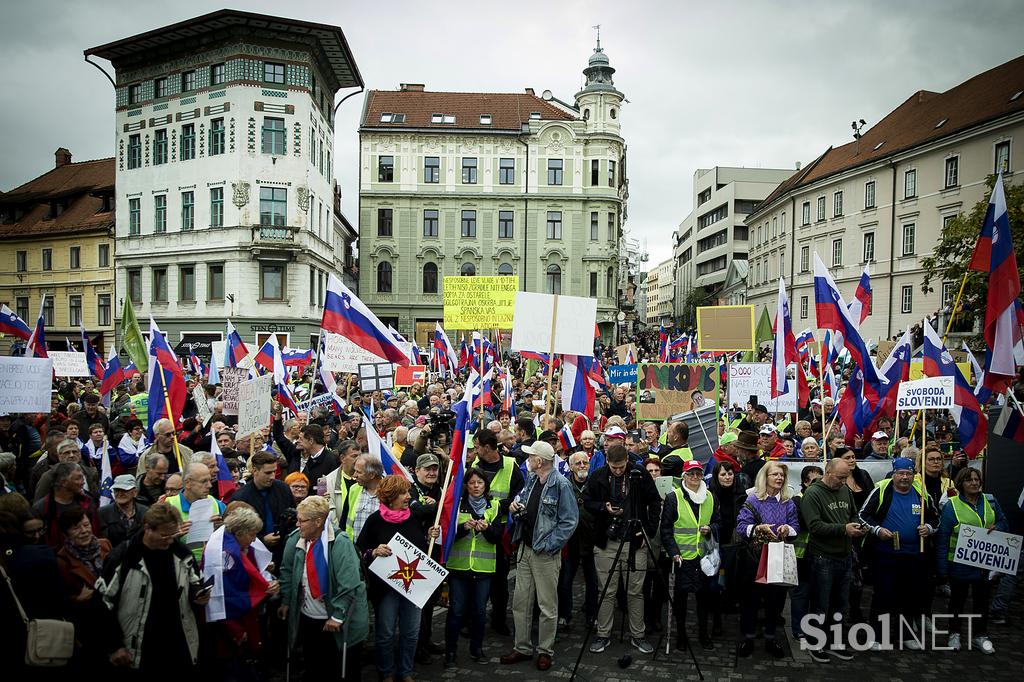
x: 509, y: 111
x: 980, y: 99
x: 75, y: 183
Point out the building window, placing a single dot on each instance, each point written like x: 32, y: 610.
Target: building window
x: 188, y: 142
x: 907, y: 299
x: 384, y: 218
x: 469, y: 223
x: 506, y: 171
x: 869, y: 195
x: 782, y: 224
x: 188, y: 81
x: 1002, y: 157
x: 160, y: 285
x: 952, y: 174
x: 595, y: 172
x: 505, y: 270
x: 215, y: 282
x: 48, y: 311
x: 216, y: 136
x: 160, y: 213
x: 385, y: 169
x: 611, y: 173
x: 273, y: 206
x: 312, y: 286
x: 610, y: 283
x: 775, y: 228
x: 430, y: 223
x: 948, y: 294
x: 47, y: 259
x: 75, y: 257
x: 803, y: 307
x: 216, y: 207
x: 869, y: 247
x: 468, y: 171
x: 272, y: 282
x: 160, y: 88
x: 273, y: 73
x: 837, y: 204
x: 103, y: 310
x: 555, y: 171
x: 821, y: 208
x: 908, y: 239
x: 554, y: 279
x: 103, y: 255
x: 74, y: 310
x: 134, y: 217
x: 593, y: 285
x: 757, y: 271
x: 135, y: 285
x: 134, y: 151
x: 432, y: 169
x: 805, y: 218
x: 594, y: 227
x: 612, y: 237
x: 186, y: 283
x: 430, y: 278
x: 188, y: 213
x: 217, y: 74
x: 554, y: 225
x: 910, y: 184
x: 134, y: 93
x: 506, y: 229
x: 21, y: 259
x: 160, y: 147
x: 805, y: 258
x: 837, y: 253
x: 21, y: 307
x: 468, y: 270
x: 273, y: 136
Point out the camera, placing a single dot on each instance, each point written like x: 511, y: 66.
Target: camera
x: 286, y: 522
x: 441, y: 421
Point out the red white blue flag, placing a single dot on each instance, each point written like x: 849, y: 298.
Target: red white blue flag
x: 971, y: 423
x: 92, y: 358
x: 11, y: 324
x: 37, y: 341
x: 345, y: 314
x: 234, y: 350
x: 165, y: 375
x: 860, y: 306
x: 453, y: 494
x: 377, y: 448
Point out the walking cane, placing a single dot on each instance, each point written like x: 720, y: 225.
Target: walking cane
x: 287, y: 657
x: 344, y: 651
x: 668, y: 625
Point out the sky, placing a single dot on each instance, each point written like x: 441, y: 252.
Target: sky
x: 756, y: 84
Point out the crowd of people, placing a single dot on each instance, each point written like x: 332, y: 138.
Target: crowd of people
x: 300, y: 509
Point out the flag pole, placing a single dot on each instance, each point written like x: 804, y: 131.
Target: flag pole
x: 548, y: 406
x: 482, y: 361
x: 923, y: 489
x: 170, y: 414
x: 440, y: 502
x: 316, y: 362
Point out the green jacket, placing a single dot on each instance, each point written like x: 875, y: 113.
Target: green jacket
x: 346, y: 598
x: 827, y: 512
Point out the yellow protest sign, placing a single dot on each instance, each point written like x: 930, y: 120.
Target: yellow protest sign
x: 725, y: 328
x: 479, y: 302
x: 917, y: 369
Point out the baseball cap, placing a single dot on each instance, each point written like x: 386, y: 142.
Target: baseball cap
x: 548, y: 436
x: 124, y: 482
x: 427, y: 460
x: 615, y: 432
x: 761, y: 408
x: 902, y: 463
x: 767, y: 430
x: 692, y: 465
x: 540, y: 449
x: 816, y: 401
x: 727, y: 438
x: 879, y: 435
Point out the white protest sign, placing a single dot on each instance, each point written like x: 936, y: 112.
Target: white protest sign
x: 254, y: 405
x: 230, y: 378
x: 69, y: 364
x: 995, y: 551
x: 929, y: 393
x: 409, y: 571
x: 217, y: 352
x: 342, y: 355
x: 574, y: 323
x: 755, y: 378
x: 25, y: 385
x: 202, y: 406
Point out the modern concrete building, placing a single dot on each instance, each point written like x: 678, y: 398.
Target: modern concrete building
x: 57, y: 238
x: 661, y: 293
x: 713, y: 235
x: 884, y: 198
x: 491, y: 184
x: 227, y: 204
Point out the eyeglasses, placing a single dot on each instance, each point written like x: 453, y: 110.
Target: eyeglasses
x: 693, y: 473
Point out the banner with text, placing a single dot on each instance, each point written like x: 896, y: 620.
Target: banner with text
x: 25, y: 385
x: 479, y: 302
x: 254, y: 405
x: 409, y: 571
x: 69, y: 364
x: 929, y: 393
x: 230, y: 378
x: 342, y: 355
x: 622, y: 374
x: 664, y: 390
x: 755, y: 379
x: 995, y: 551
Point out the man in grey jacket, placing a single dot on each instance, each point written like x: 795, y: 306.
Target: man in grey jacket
x: 546, y: 514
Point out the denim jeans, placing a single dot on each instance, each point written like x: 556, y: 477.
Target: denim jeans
x: 566, y: 578
x: 800, y: 596
x: 1005, y: 590
x: 467, y: 594
x: 830, y: 587
x: 396, y: 618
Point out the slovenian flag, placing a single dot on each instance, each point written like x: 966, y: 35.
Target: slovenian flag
x: 376, y: 447
x: 444, y: 353
x: 453, y: 494
x: 345, y: 314
x: 566, y: 437
x: 225, y: 481
x: 240, y: 579
x: 971, y: 423
x: 106, y: 476
x: 11, y: 324
x: 578, y: 392
x: 165, y: 375
x: 234, y: 350
x: 112, y: 375
x: 92, y: 358
x: 37, y: 341
x: 860, y: 306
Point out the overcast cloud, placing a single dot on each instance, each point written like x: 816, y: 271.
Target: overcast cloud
x: 761, y: 84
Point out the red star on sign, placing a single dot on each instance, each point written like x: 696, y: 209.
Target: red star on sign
x: 407, y: 572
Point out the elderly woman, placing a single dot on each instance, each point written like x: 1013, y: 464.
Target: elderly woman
x: 322, y: 595
x: 768, y: 515
x: 299, y: 485
x: 81, y: 557
x: 970, y: 507
x: 809, y: 449
x: 397, y: 618
x: 132, y: 443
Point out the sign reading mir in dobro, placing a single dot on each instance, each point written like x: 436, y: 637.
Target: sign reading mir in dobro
x: 931, y: 393
x: 479, y: 302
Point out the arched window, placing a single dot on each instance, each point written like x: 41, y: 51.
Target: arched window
x: 613, y: 112
x: 384, y: 278
x: 505, y: 269
x: 430, y: 278
x: 554, y: 279
x: 468, y: 270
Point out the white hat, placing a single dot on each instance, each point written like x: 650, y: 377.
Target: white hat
x: 880, y: 435
x: 815, y: 402
x: 767, y: 430
x: 124, y: 482
x: 540, y: 449
x: 614, y: 432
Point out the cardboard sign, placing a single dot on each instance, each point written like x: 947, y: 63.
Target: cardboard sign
x: 202, y: 406
x: 230, y: 378
x: 995, y: 551
x: 883, y: 350
x: 621, y: 351
x: 930, y: 393
x: 342, y: 355
x: 69, y: 364
x: 25, y: 385
x: 316, y: 401
x: 664, y: 390
x: 413, y: 375
x: 479, y: 302
x: 622, y: 374
x: 725, y: 328
x: 573, y: 324
x: 409, y: 571
x: 376, y: 376
x: 254, y: 405
x: 755, y: 378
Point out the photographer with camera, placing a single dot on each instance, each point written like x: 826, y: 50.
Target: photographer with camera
x: 273, y: 501
x: 620, y: 495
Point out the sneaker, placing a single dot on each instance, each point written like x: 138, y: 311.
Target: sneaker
x: 841, y: 654
x: 997, y: 620
x: 984, y: 645
x: 954, y: 641
x: 641, y: 645
x: 599, y: 644
x: 912, y: 645
x: 563, y: 622
x: 818, y: 656
x: 876, y: 646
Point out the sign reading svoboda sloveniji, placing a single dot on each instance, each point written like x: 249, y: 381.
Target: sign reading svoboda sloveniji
x: 479, y: 302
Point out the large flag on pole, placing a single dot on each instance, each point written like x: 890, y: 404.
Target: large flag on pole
x: 112, y: 375
x: 345, y: 314
x: 377, y: 448
x: 453, y: 493
x: 971, y: 423
x: 37, y: 341
x: 11, y: 324
x: 234, y: 350
x: 578, y: 392
x: 860, y: 306
x: 444, y: 353
x: 106, y: 475
x: 132, y: 341
x: 165, y: 375
x: 92, y: 358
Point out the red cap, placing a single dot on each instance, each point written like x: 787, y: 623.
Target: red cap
x: 692, y: 465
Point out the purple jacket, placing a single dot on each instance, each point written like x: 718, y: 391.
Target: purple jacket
x: 772, y: 512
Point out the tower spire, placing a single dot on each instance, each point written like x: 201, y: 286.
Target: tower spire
x: 597, y: 27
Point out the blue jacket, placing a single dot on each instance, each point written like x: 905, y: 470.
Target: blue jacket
x: 945, y: 536
x: 557, y: 516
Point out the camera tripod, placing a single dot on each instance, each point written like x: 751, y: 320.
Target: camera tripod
x: 633, y: 528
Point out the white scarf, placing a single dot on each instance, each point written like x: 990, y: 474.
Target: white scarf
x: 698, y: 496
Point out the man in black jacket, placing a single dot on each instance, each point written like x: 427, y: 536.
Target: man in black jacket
x: 614, y: 492
x: 269, y: 497
x: 310, y: 456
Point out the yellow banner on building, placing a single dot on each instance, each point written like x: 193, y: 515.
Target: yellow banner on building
x: 479, y: 302
x: 917, y: 369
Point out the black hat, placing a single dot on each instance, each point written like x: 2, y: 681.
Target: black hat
x: 760, y: 408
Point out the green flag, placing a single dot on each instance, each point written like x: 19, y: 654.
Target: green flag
x: 761, y: 334
x: 131, y: 337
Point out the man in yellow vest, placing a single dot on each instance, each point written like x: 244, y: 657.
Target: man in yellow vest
x: 197, y: 484
x: 675, y: 442
x: 361, y: 500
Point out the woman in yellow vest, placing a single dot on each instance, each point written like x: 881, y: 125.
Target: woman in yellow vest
x: 971, y: 507
x: 471, y: 565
